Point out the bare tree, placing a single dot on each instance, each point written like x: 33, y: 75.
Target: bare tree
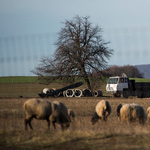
x: 80, y: 53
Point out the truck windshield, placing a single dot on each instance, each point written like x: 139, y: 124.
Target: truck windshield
x: 113, y: 81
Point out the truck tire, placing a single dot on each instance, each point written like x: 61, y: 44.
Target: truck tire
x: 116, y: 95
x: 125, y: 93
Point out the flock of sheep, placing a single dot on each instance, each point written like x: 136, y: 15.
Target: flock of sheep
x: 56, y: 112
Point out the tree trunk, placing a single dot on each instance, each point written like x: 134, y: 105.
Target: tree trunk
x: 88, y: 83
x: 85, y: 76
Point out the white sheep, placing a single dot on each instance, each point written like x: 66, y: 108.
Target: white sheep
x: 118, y: 110
x: 44, y: 110
x: 148, y: 113
x: 102, y: 111
x: 132, y: 112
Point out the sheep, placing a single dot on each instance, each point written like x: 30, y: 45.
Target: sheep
x: 68, y: 112
x: 44, y: 110
x: 118, y: 110
x: 148, y: 113
x: 132, y: 112
x: 62, y: 106
x: 71, y: 114
x: 102, y: 111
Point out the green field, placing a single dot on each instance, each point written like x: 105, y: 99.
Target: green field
x: 19, y: 79
x: 13, y: 87
x: 140, y: 79
x: 33, y: 79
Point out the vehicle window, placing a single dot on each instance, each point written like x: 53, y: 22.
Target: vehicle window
x: 121, y: 80
x: 126, y: 80
x: 113, y: 81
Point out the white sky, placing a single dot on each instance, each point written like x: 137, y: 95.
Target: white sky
x: 126, y: 24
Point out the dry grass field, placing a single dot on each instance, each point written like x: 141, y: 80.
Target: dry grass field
x: 111, y: 135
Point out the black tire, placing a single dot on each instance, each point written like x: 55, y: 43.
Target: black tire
x: 114, y: 95
x: 125, y: 93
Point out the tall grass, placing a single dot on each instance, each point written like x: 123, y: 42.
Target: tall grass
x: 81, y: 134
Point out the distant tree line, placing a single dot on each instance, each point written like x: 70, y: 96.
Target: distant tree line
x: 130, y: 71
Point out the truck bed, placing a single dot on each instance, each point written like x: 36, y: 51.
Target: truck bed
x: 142, y: 85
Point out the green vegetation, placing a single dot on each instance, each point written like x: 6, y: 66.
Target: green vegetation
x: 13, y: 87
x: 19, y: 79
x: 140, y: 79
x: 33, y: 79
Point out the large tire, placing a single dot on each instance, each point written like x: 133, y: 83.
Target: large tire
x: 116, y: 95
x: 125, y: 93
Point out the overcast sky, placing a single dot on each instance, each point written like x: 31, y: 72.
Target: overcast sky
x: 28, y: 30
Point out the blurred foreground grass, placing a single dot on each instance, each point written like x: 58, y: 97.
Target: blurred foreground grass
x: 112, y: 135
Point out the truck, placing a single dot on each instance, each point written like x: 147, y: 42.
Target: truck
x: 122, y: 86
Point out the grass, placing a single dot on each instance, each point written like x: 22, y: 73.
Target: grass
x: 15, y: 90
x: 140, y: 79
x: 27, y: 86
x: 19, y: 79
x: 33, y: 79
x: 81, y: 134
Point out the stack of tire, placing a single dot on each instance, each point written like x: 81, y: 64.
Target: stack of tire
x: 74, y: 93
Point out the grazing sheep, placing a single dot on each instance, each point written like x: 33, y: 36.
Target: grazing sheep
x: 148, y: 113
x: 68, y: 112
x: 118, y: 110
x: 71, y: 114
x: 102, y: 111
x: 62, y: 106
x: 132, y: 112
x: 44, y: 110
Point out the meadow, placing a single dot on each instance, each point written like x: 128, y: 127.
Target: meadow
x: 81, y: 134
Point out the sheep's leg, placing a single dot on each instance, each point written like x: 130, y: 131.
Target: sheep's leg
x: 62, y: 127
x: 30, y: 125
x: 53, y: 121
x: 26, y: 124
x: 29, y: 122
x: 48, y: 123
x: 54, y: 124
x: 105, y: 118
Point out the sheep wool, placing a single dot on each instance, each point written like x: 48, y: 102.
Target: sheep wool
x: 44, y: 110
x: 62, y: 106
x: 102, y: 111
x: 71, y: 114
x: 133, y: 112
x: 148, y: 113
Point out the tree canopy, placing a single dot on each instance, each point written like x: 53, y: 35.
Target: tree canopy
x: 130, y: 71
x: 81, y: 52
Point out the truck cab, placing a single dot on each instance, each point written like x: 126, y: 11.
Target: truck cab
x: 116, y: 85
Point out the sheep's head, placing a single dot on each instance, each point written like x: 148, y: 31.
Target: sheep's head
x: 118, y: 110
x: 94, y: 120
x: 65, y: 126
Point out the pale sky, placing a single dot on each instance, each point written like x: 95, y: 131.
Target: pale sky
x: 28, y: 30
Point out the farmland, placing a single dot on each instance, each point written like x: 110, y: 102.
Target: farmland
x: 112, y: 134
x: 81, y: 135
x: 28, y: 86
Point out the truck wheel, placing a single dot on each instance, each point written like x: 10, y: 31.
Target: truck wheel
x: 125, y: 93
x: 114, y: 95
